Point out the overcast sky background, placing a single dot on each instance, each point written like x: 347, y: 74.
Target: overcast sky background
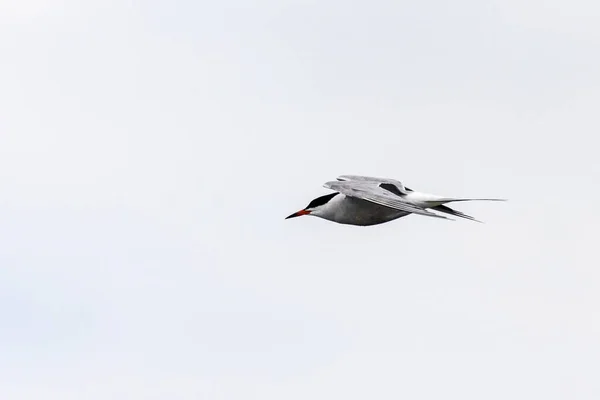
x: 150, y: 150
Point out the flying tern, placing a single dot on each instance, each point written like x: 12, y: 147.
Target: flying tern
x: 364, y: 200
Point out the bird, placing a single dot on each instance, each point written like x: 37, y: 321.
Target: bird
x: 365, y: 201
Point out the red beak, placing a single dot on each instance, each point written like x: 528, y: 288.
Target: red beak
x: 299, y: 213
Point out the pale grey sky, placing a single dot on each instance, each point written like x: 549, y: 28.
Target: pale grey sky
x: 150, y: 150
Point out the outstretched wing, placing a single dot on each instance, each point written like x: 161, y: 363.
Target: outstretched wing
x: 373, y: 192
x: 391, y: 185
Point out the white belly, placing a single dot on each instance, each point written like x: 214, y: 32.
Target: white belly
x: 352, y: 211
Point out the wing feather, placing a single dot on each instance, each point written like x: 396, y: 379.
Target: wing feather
x: 371, y: 191
x: 360, y: 178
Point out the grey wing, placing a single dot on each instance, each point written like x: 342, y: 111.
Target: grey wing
x: 384, y: 181
x: 371, y: 191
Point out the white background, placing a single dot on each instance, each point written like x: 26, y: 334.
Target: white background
x: 150, y: 150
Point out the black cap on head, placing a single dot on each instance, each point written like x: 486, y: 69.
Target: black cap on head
x: 319, y: 201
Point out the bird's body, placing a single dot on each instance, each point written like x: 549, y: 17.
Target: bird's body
x: 353, y: 211
x: 365, y: 201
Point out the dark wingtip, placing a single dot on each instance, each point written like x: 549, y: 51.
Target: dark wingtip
x: 448, y: 210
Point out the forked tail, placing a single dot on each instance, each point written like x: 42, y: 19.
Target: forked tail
x: 448, y: 210
x: 452, y: 199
